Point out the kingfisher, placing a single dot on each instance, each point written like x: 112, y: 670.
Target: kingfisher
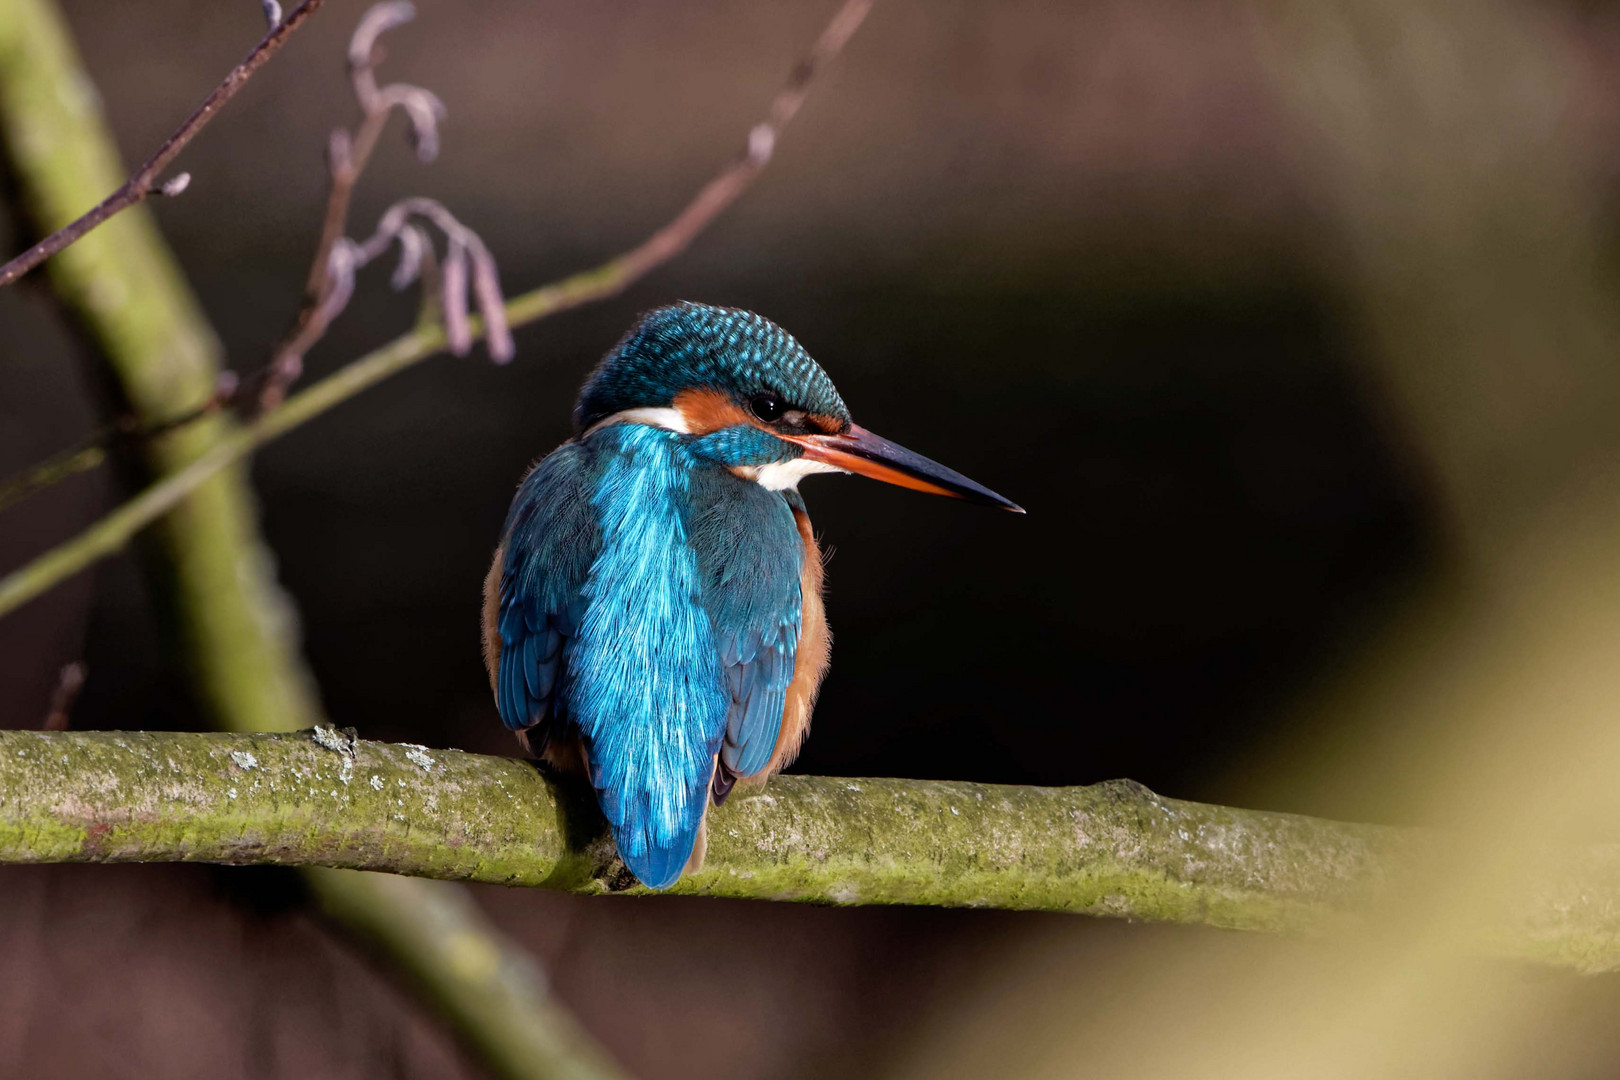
x: 653, y: 616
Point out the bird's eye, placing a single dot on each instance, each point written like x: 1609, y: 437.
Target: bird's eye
x: 767, y: 406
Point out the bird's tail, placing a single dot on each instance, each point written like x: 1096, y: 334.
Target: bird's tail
x: 660, y: 866
x: 656, y: 849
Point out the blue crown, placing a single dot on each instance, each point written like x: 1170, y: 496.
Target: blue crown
x: 688, y: 345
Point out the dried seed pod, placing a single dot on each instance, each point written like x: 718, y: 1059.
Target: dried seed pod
x: 377, y: 21
x: 486, y: 285
x: 413, y: 246
x: 424, y: 110
x: 453, y: 298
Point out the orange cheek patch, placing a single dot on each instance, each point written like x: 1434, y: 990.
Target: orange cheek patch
x: 709, y: 410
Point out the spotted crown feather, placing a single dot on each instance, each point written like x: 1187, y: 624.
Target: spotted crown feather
x: 674, y: 348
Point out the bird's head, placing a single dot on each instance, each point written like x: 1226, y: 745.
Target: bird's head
x: 754, y: 398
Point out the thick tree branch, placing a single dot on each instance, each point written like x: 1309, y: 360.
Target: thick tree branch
x: 144, y: 181
x: 1113, y: 849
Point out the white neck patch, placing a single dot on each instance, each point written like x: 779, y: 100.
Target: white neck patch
x: 668, y: 418
x: 785, y: 475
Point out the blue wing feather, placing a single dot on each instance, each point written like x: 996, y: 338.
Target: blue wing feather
x: 645, y: 683
x: 750, y: 555
x: 551, y: 538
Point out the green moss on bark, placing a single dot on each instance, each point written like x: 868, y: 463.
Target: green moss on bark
x: 1113, y: 849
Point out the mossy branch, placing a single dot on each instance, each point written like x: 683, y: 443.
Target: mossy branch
x: 1113, y: 849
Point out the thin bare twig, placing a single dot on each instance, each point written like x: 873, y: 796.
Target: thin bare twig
x: 144, y: 183
x: 467, y: 264
x: 612, y: 277
x: 329, y: 283
x: 92, y: 452
x: 732, y: 181
x: 82, y: 458
x: 348, y: 154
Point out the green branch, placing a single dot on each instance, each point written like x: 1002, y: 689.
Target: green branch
x: 1113, y: 849
x: 491, y: 992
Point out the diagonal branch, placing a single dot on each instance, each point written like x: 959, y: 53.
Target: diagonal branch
x: 144, y: 181
x: 1114, y: 849
x: 113, y: 531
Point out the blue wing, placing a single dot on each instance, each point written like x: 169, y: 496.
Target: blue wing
x: 751, y: 556
x: 652, y: 604
x: 551, y: 539
x: 644, y: 684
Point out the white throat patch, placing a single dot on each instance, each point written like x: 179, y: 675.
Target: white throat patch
x: 785, y: 475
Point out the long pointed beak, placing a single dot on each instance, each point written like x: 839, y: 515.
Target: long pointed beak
x: 865, y: 454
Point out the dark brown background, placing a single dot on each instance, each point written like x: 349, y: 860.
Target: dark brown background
x: 1074, y: 250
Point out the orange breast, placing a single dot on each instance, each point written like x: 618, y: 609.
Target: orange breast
x: 815, y: 650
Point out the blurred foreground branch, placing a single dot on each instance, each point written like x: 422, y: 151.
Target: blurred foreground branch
x: 492, y: 993
x: 1113, y: 849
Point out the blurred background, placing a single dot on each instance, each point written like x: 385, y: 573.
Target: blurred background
x: 1291, y: 324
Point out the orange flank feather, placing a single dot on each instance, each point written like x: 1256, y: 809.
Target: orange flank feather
x: 492, y: 617
x: 708, y: 411
x: 815, y: 653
